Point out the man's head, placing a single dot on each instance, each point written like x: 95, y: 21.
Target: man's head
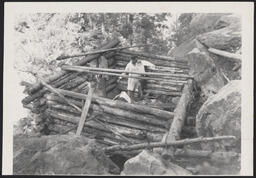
x: 134, y: 59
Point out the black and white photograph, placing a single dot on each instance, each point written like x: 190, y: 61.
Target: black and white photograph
x: 144, y: 89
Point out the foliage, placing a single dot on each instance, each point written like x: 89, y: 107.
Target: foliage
x: 42, y: 37
x: 182, y: 30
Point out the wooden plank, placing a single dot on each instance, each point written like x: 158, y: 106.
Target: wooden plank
x: 85, y: 110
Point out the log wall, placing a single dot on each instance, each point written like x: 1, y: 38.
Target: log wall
x: 108, y: 121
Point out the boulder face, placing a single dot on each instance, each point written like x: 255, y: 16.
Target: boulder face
x: 204, y: 71
x: 182, y: 50
x: 206, y: 22
x: 227, y: 35
x: 149, y: 163
x: 61, y: 154
x: 221, y: 115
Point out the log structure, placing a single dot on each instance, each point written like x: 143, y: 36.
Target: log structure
x: 109, y: 121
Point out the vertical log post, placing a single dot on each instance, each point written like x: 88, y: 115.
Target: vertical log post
x: 178, y: 120
x: 85, y: 110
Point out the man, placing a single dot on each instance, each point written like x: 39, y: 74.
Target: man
x: 134, y: 84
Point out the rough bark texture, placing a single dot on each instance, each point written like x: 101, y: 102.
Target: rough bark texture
x: 179, y: 118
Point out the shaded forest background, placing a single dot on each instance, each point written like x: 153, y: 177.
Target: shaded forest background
x: 42, y: 37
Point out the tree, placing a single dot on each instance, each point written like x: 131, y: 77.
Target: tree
x: 182, y: 31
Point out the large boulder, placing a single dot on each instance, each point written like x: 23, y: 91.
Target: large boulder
x: 206, y: 22
x: 221, y: 115
x: 181, y: 51
x: 204, y: 71
x: 227, y: 36
x: 149, y: 163
x: 60, y: 154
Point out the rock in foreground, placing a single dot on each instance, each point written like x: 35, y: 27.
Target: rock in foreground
x: 221, y: 115
x: 149, y: 163
x: 62, y: 154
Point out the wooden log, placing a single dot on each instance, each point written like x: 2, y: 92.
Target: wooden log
x: 56, y: 84
x: 97, y: 52
x: 157, y: 92
x: 126, y: 115
x: 73, y: 83
x: 85, y: 110
x: 92, y: 127
x: 231, y: 56
x: 80, y: 87
x: 164, y: 144
x: 86, y: 69
x: 119, y: 104
x: 54, y: 77
x: 109, y: 118
x: 155, y: 62
x: 58, y: 93
x: 158, y: 68
x: 152, y: 56
x: 56, y: 102
x: 154, y: 86
x: 143, y: 118
x: 92, y: 131
x: 111, y: 87
x: 112, y: 80
x: 122, y: 121
x: 179, y: 118
x: 126, y: 76
x: 133, y: 132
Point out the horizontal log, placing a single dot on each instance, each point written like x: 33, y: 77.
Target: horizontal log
x: 155, y: 62
x: 41, y: 92
x: 83, y: 68
x: 129, y: 52
x: 72, y: 84
x: 110, y: 118
x: 111, y: 80
x: 119, y: 104
x: 136, y: 118
x: 111, y: 87
x: 38, y: 85
x: 164, y: 144
x: 157, y: 92
x: 122, y: 63
x: 143, y: 118
x: 153, y: 86
x: 96, y: 52
x: 100, y: 129
x: 80, y: 87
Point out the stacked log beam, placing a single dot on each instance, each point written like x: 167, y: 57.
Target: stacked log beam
x: 130, y: 121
